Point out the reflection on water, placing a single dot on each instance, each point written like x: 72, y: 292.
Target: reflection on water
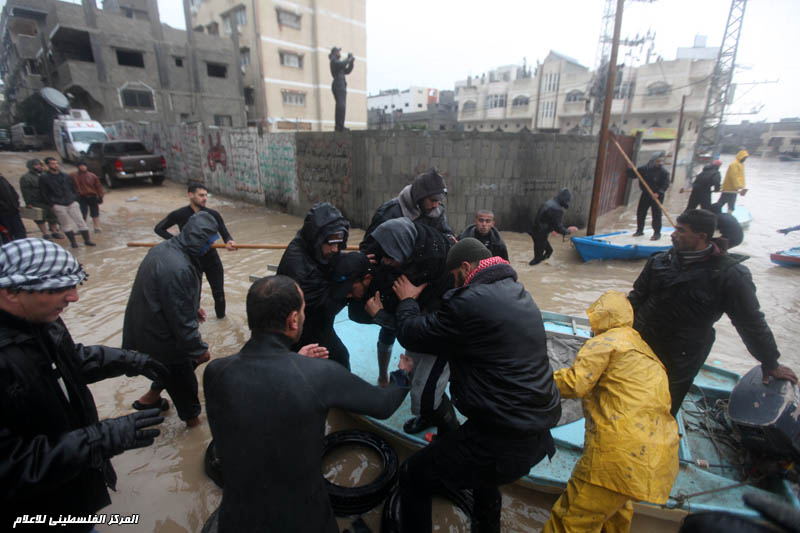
x: 165, y: 483
x: 352, y: 466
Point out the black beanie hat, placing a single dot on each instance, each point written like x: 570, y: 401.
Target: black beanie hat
x: 469, y: 250
x: 431, y: 183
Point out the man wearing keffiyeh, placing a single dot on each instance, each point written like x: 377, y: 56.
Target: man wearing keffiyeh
x: 54, y: 452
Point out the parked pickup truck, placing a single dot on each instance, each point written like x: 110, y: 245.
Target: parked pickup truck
x: 114, y: 161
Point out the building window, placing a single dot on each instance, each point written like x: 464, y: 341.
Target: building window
x: 574, y: 96
x: 130, y: 58
x: 137, y: 99
x: 495, y: 101
x: 469, y: 107
x: 419, y: 105
x: 287, y: 18
x: 244, y: 57
x: 406, y: 104
x: 184, y: 117
x: 34, y: 67
x: 216, y: 70
x: 237, y: 16
x: 291, y: 59
x: 223, y: 120
x: 520, y: 102
x: 179, y: 62
x: 294, y: 98
x: 213, y: 28
x: 658, y: 88
x: 200, y: 29
x: 669, y: 121
x: 249, y: 96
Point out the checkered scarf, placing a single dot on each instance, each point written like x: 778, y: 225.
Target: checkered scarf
x: 504, y: 271
x: 38, y: 265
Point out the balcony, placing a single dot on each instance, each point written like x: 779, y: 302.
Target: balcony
x: 72, y: 72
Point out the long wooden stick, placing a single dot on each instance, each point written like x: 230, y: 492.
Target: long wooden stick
x: 238, y: 246
x: 641, y: 179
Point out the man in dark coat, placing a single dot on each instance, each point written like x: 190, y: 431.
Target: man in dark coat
x: 54, y: 452
x: 29, y: 187
x: 483, y: 229
x: 309, y: 261
x: 163, y: 315
x: 339, y: 68
x: 267, y: 408
x: 682, y: 292
x: 657, y: 177
x: 58, y: 192
x: 9, y: 212
x: 418, y: 252
x: 210, y: 263
x: 492, y: 334
x: 549, y: 218
x: 709, y: 178
x: 420, y: 201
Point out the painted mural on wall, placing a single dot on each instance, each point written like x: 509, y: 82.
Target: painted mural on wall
x: 244, y: 160
x: 277, y: 168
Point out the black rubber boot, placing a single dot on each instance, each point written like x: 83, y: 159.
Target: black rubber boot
x: 71, y: 236
x: 445, y: 416
x: 418, y: 424
x: 86, y: 241
x: 219, y: 306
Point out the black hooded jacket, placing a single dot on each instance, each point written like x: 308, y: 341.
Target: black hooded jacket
x: 9, y: 199
x: 492, y: 334
x: 493, y: 241
x: 550, y: 214
x: 57, y: 189
x: 161, y: 316
x: 49, y: 463
x: 656, y: 176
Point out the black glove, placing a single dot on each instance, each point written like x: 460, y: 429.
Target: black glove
x: 141, y: 364
x: 113, y: 436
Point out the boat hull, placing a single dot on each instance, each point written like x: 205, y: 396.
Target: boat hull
x: 787, y: 258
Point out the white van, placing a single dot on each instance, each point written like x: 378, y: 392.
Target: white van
x: 23, y: 137
x: 73, y: 134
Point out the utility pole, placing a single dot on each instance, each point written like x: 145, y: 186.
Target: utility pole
x: 602, y: 147
x: 678, y: 142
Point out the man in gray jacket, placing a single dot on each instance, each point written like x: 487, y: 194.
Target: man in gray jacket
x: 163, y: 315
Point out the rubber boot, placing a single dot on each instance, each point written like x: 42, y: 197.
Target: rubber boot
x: 445, y: 416
x: 86, y: 241
x: 384, y: 356
x: 219, y: 306
x: 71, y: 236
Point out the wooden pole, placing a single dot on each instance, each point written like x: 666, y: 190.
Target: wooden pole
x: 603, y: 144
x: 678, y: 141
x: 646, y: 186
x: 237, y: 247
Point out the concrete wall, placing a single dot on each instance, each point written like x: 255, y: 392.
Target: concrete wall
x: 512, y: 174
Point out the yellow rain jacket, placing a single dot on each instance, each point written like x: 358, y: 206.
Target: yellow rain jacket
x: 734, y: 177
x: 631, y: 441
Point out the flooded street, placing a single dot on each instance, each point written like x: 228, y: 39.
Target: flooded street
x: 165, y: 483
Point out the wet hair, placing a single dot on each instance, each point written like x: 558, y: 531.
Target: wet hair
x: 484, y: 212
x: 700, y: 220
x: 269, y: 301
x: 194, y: 186
x: 48, y: 159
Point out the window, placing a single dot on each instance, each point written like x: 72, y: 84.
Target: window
x: 287, y: 18
x: 130, y: 58
x: 33, y: 67
x: 249, y: 96
x: 419, y: 105
x: 295, y: 98
x: 179, y: 62
x: 200, y: 28
x: 137, y: 99
x: 89, y: 136
x: 469, y: 107
x: 669, y: 121
x: 575, y: 96
x: 658, y: 88
x: 496, y: 100
x: 291, y: 59
x: 213, y: 28
x: 244, y: 57
x: 223, y: 120
x: 184, y: 117
x: 216, y: 70
x: 237, y: 16
x: 520, y: 102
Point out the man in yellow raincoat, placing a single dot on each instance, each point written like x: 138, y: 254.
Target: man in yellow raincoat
x: 631, y: 443
x: 733, y: 183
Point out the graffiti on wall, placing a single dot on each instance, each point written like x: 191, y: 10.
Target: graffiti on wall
x: 216, y: 155
x: 277, y: 168
x: 324, y: 170
x: 244, y: 160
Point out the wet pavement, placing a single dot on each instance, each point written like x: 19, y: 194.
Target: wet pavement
x: 165, y: 483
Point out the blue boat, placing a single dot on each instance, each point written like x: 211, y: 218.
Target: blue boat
x: 742, y: 215
x: 716, y: 487
x: 787, y: 258
x: 621, y: 245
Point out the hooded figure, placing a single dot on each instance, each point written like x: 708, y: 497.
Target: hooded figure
x: 701, y: 187
x: 161, y: 318
x: 657, y: 178
x: 631, y: 443
x: 549, y: 218
x: 339, y: 68
x: 307, y: 260
x: 733, y: 184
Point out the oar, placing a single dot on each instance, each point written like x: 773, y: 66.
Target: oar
x: 238, y: 246
x: 641, y: 179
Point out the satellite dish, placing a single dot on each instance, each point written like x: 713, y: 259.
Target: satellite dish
x: 55, y: 98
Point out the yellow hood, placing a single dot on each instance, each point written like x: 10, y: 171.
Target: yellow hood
x: 611, y: 310
x: 741, y: 155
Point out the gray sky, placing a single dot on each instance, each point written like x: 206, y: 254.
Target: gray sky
x: 433, y: 43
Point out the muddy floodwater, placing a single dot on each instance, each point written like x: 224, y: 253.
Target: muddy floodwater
x: 165, y: 483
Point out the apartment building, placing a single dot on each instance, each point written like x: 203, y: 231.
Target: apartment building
x: 118, y: 63
x: 283, y: 54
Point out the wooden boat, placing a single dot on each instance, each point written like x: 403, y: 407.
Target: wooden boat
x: 787, y: 258
x: 621, y: 245
x: 716, y: 488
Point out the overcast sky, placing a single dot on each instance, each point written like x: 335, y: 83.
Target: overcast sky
x: 433, y: 43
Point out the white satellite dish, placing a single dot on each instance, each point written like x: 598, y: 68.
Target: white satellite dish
x: 55, y: 98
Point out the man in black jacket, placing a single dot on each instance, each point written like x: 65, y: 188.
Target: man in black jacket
x: 267, y: 408
x: 682, y: 292
x: 549, y: 218
x: 163, y: 315
x: 210, y: 263
x: 657, y: 177
x: 309, y: 260
x: 339, y: 68
x: 709, y: 178
x: 54, y: 452
x: 483, y: 229
x: 492, y: 334
x: 58, y: 191
x: 9, y: 212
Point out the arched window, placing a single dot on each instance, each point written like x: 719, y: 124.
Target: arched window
x: 520, y: 101
x: 658, y: 88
